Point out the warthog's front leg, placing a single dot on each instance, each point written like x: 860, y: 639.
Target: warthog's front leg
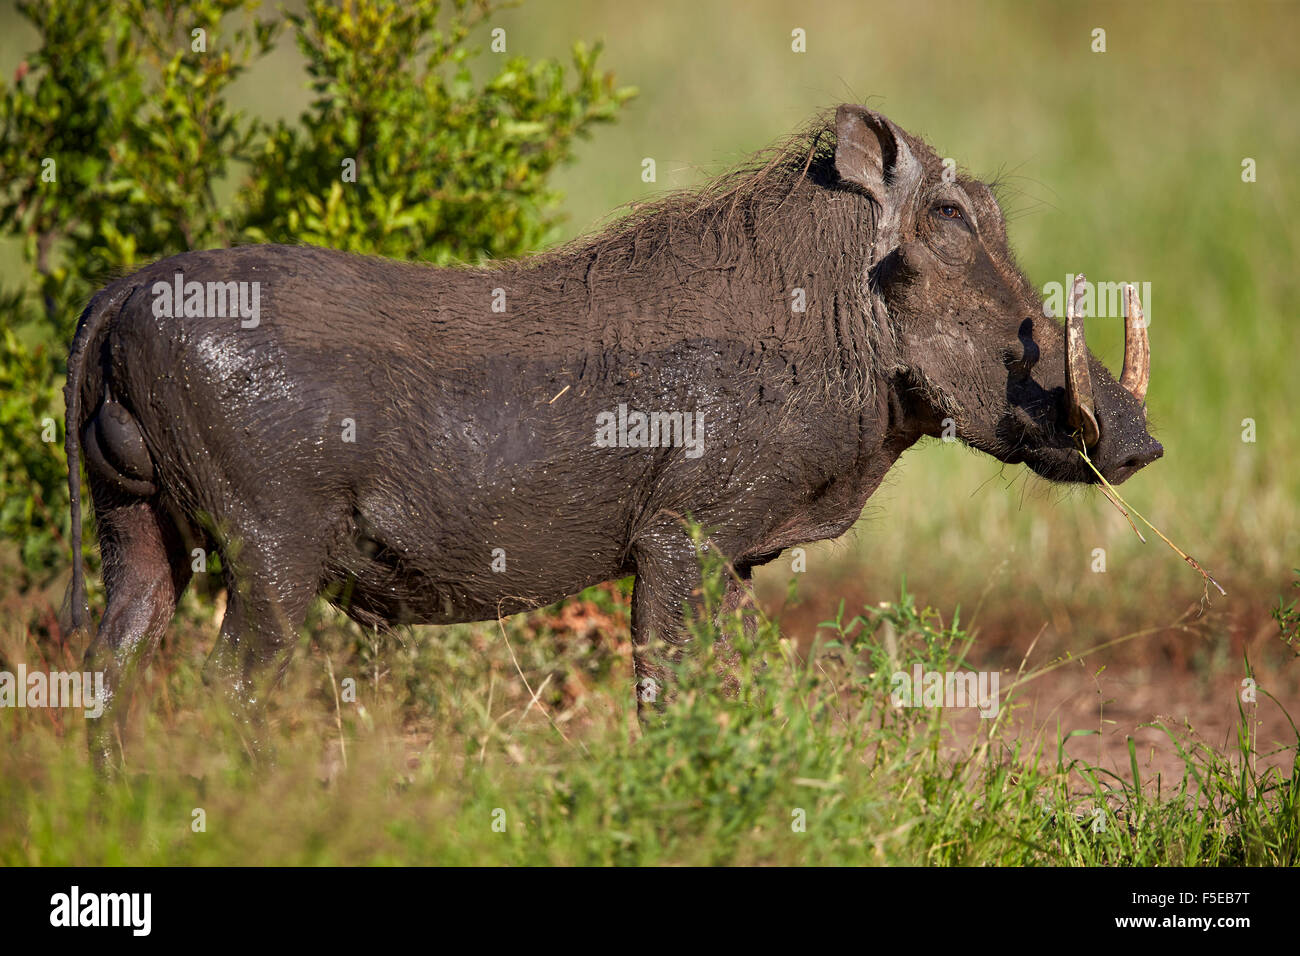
x: 667, y: 584
x: 667, y: 578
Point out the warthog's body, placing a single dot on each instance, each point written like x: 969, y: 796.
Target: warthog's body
x: 425, y: 445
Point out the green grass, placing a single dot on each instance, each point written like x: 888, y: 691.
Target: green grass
x: 810, y: 764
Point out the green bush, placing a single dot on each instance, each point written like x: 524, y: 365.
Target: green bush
x: 118, y: 146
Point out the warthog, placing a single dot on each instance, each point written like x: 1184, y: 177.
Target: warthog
x: 437, y: 445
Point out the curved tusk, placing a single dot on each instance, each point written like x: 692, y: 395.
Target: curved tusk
x: 1137, y: 348
x: 1078, y: 380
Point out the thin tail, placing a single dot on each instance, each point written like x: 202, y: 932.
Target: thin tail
x: 96, y: 315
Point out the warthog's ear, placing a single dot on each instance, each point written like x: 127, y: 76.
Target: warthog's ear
x: 872, y: 152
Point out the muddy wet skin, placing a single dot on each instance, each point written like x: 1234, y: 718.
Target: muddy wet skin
x: 432, y: 445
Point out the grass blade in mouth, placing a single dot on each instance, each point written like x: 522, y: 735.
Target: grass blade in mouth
x: 1124, y: 508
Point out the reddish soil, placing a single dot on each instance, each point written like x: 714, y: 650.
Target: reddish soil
x: 1188, y: 678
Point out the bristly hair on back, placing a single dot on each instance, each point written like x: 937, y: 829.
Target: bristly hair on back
x: 767, y: 177
x: 778, y: 220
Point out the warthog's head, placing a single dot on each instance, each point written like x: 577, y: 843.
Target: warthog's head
x: 975, y: 352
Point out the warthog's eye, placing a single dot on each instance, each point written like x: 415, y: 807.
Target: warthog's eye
x: 949, y: 211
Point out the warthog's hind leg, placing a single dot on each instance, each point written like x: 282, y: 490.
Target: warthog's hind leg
x: 268, y: 594
x: 145, y: 569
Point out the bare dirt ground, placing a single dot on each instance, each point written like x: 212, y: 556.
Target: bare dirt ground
x: 1188, y: 677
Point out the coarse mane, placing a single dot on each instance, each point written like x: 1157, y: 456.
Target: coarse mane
x: 778, y: 221
x: 763, y: 182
